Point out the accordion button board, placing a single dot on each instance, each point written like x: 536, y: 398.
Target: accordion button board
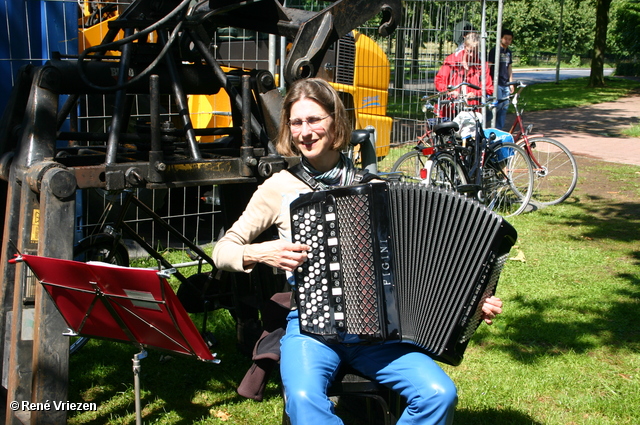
x: 320, y: 274
x: 397, y: 261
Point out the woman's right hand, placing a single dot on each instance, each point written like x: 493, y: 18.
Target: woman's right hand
x: 277, y: 253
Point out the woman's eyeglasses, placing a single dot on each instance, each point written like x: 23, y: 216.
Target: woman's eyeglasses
x: 314, y: 123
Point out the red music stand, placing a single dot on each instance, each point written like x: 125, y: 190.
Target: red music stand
x: 119, y: 303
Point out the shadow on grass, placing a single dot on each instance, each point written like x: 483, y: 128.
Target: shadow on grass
x: 618, y: 221
x: 607, y: 222
x: 355, y: 413
x: 101, y: 373
x: 492, y: 416
x: 609, y: 319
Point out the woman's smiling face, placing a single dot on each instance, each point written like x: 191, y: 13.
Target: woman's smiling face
x: 312, y: 131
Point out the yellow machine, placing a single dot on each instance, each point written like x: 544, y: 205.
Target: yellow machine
x: 210, y: 112
x: 356, y: 66
x: 369, y: 89
x: 94, y: 23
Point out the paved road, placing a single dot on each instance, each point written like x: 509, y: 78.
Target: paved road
x: 546, y: 75
x: 592, y: 130
x: 526, y: 75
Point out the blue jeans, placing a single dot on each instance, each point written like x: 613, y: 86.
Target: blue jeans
x: 501, y: 109
x: 308, y: 367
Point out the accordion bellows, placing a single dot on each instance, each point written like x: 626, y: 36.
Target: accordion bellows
x: 397, y: 262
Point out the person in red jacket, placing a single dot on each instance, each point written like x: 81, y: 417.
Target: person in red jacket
x: 463, y: 66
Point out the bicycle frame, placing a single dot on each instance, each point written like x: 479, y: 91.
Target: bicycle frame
x: 442, y: 139
x: 473, y: 161
x: 548, y: 157
x: 497, y: 173
x: 521, y: 133
x: 120, y: 226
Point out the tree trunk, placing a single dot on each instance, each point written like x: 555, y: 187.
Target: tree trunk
x: 400, y: 61
x: 600, y: 43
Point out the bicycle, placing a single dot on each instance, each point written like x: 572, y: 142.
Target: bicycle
x: 555, y: 168
x: 414, y: 166
x: 497, y: 173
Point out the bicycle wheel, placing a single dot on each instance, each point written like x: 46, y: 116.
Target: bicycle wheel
x: 414, y: 166
x: 100, y: 247
x: 446, y: 172
x: 507, y: 181
x: 555, y: 170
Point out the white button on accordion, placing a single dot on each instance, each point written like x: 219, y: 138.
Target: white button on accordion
x: 397, y: 262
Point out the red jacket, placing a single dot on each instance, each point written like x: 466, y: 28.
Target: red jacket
x: 452, y: 72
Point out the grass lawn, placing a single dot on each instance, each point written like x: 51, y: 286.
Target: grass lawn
x: 574, y: 92
x: 633, y: 131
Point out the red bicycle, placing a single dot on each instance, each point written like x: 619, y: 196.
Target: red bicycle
x: 555, y: 168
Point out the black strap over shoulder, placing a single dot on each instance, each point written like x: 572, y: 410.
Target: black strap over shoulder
x: 361, y: 177
x: 364, y: 176
x: 298, y: 171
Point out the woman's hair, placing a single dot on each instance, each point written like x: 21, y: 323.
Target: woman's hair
x: 472, y: 40
x: 324, y: 95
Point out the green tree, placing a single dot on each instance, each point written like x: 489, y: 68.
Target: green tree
x: 536, y: 23
x: 579, y: 24
x: 623, y: 38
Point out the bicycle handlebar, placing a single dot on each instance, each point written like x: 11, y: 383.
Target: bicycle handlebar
x: 464, y: 83
x: 519, y: 85
x: 449, y: 90
x: 467, y: 106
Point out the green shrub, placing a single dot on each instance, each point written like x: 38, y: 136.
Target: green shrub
x: 575, y: 61
x: 628, y: 69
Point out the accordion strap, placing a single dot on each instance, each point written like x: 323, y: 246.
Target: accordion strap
x: 298, y: 171
x: 361, y: 176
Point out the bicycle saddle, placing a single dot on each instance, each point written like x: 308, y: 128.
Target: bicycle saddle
x: 446, y: 128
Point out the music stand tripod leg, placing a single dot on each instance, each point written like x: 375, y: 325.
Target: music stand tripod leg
x: 136, y: 383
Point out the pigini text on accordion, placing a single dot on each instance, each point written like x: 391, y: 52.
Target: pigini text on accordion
x: 397, y: 262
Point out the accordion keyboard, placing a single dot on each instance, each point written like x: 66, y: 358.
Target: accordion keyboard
x: 319, y: 290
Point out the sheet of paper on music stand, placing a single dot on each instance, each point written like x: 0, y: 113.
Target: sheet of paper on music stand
x: 119, y: 303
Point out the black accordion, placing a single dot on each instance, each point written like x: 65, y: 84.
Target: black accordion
x: 397, y: 261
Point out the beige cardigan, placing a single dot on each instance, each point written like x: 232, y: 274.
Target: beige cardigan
x: 269, y: 205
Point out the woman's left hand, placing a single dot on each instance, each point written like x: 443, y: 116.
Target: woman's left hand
x: 491, y: 308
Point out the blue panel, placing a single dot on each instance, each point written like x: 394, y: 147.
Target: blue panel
x: 13, y: 44
x: 29, y: 31
x: 59, y: 28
